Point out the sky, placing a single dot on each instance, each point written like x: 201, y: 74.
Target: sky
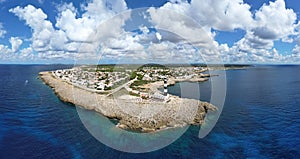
x: 144, y: 31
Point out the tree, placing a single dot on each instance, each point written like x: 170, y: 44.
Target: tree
x: 133, y: 75
x: 107, y: 81
x: 140, y: 77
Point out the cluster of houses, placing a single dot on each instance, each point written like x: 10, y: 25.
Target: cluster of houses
x: 106, y: 80
x: 91, y: 79
x: 186, y: 72
x: 153, y: 74
x: 150, y: 74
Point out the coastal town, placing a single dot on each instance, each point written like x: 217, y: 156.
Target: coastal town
x: 136, y: 96
x: 107, y: 79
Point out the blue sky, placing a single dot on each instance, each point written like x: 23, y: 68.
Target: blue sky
x: 249, y: 31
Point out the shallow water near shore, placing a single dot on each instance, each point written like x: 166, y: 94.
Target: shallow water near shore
x: 260, y: 119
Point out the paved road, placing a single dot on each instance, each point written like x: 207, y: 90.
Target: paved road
x: 122, y: 86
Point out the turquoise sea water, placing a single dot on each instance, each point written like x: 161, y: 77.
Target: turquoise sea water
x: 260, y: 119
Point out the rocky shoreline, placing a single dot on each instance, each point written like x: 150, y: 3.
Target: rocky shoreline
x: 133, y: 113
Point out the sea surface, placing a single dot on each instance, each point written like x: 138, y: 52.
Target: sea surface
x: 260, y: 119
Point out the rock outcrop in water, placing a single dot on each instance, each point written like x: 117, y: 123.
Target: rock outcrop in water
x: 133, y: 113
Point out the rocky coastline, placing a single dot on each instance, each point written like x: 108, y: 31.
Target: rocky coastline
x: 132, y: 113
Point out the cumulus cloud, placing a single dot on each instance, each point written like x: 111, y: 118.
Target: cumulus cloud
x: 184, y: 27
x: 44, y: 35
x: 4, y: 49
x: 225, y: 15
x: 146, y: 47
x: 180, y: 30
x: 2, y: 31
x: 251, y: 42
x: 274, y: 21
x: 16, y: 42
x: 95, y: 13
x: 14, y: 54
x: 27, y: 53
x: 76, y: 29
x: 296, y: 49
x: 195, y: 20
x: 73, y: 33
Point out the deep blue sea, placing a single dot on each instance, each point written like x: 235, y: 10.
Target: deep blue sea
x: 260, y: 119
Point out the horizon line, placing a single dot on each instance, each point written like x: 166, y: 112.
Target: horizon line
x: 225, y: 64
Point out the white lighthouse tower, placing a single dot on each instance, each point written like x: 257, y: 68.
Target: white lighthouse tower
x: 165, y: 87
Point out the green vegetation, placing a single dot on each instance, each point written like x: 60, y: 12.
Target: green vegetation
x: 165, y: 73
x: 153, y: 65
x: 140, y: 77
x: 107, y: 81
x: 102, y: 78
x: 119, y: 69
x: 133, y: 94
x: 88, y: 69
x: 105, y: 69
x: 110, y: 68
x: 139, y: 83
x: 133, y: 75
x: 107, y: 88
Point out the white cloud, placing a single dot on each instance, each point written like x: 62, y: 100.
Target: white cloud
x: 4, y: 53
x: 144, y: 29
x: 145, y: 47
x: 75, y: 33
x: 76, y: 29
x: 180, y: 26
x: 95, y: 13
x: 158, y: 36
x: 251, y: 42
x: 2, y: 31
x: 116, y: 6
x: 10, y: 55
x: 184, y: 27
x: 274, y: 21
x: 225, y: 15
x: 16, y: 42
x: 4, y: 49
x: 194, y: 21
x: 271, y: 22
x: 27, y: 54
x: 43, y: 31
x: 296, y: 50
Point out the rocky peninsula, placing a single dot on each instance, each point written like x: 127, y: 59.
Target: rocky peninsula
x: 133, y: 112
